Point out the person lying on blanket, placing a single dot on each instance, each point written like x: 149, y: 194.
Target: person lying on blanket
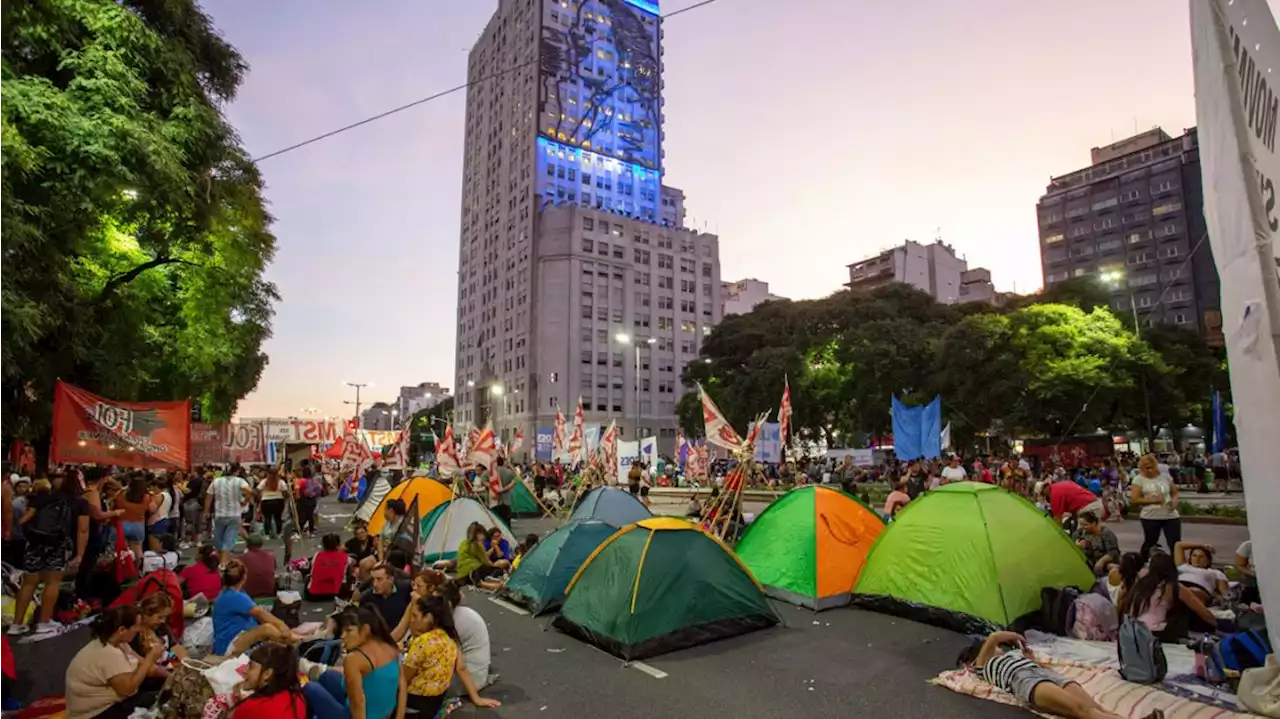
x: 1016, y: 672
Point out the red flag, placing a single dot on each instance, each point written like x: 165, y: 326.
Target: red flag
x: 609, y: 450
x: 447, y: 463
x: 517, y: 441
x: 560, y: 439
x: 398, y: 457
x: 484, y: 447
x: 578, y: 438
x: 718, y: 429
x: 784, y: 412
x: 89, y: 428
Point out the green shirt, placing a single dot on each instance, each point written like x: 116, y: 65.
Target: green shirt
x: 470, y: 558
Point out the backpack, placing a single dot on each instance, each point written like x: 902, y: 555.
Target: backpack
x: 52, y: 522
x: 161, y: 580
x: 312, y: 488
x: 1057, y: 609
x: 1242, y: 650
x: 1141, y: 655
x: 1095, y: 618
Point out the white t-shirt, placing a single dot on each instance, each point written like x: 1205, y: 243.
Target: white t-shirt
x: 954, y: 474
x: 268, y: 494
x: 473, y: 637
x: 1246, y: 550
x: 1159, y: 488
x: 162, y: 511
x: 1205, y: 578
x: 89, y: 691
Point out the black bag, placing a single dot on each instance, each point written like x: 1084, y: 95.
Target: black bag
x: 290, y: 614
x: 52, y: 522
x: 1057, y: 609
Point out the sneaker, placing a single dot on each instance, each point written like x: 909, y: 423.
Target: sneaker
x: 49, y: 628
x: 18, y: 629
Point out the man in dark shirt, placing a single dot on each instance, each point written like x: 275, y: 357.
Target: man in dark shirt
x: 260, y: 565
x: 388, y: 596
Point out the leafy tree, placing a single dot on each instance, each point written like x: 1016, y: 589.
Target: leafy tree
x: 135, y: 230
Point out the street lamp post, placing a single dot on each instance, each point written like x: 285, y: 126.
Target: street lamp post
x: 359, y: 386
x: 625, y: 339
x: 1114, y: 280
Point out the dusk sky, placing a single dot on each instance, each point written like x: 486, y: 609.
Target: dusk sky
x: 807, y: 134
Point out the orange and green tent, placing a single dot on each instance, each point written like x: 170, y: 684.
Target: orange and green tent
x: 428, y: 492
x: 810, y: 545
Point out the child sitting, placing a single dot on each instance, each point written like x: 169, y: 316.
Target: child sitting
x: 1017, y: 672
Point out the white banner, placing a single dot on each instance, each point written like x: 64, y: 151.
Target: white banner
x: 292, y: 430
x: 1235, y: 44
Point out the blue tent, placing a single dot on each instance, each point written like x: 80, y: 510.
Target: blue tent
x: 611, y: 505
x: 538, y: 583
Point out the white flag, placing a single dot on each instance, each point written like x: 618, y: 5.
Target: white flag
x: 1236, y: 45
x: 946, y: 437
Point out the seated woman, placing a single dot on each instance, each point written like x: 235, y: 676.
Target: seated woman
x: 369, y: 685
x: 1196, y: 572
x: 328, y: 569
x: 238, y: 622
x: 433, y: 657
x: 1120, y: 577
x: 498, y: 548
x: 474, y: 565
x: 154, y: 629
x: 203, y: 577
x: 272, y: 677
x: 1169, y: 609
x: 105, y: 677
x: 1016, y: 672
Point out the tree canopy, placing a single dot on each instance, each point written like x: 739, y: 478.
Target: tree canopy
x: 1048, y: 364
x: 135, y: 232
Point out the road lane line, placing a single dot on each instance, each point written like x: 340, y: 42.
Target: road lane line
x: 509, y: 606
x: 651, y: 671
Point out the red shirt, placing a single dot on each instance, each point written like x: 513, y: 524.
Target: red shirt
x: 281, y: 705
x: 1067, y: 497
x: 202, y: 580
x: 328, y: 569
x: 261, y: 574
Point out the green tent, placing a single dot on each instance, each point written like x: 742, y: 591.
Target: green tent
x: 523, y: 503
x: 539, y: 582
x: 969, y: 556
x: 809, y: 546
x: 661, y: 585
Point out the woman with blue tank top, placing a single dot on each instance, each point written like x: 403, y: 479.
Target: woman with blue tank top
x: 370, y: 685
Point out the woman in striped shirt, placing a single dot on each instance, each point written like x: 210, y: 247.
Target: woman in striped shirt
x: 1017, y: 672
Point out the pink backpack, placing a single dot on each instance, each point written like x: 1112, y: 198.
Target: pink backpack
x: 1095, y: 619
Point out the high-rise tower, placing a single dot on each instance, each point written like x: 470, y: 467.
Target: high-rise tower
x: 576, y: 277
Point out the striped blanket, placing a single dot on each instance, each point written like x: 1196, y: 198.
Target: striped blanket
x: 1104, y: 685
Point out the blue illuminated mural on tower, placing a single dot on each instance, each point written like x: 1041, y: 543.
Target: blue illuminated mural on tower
x: 600, y: 85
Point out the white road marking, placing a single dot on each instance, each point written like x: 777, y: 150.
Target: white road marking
x: 509, y: 606
x: 651, y: 671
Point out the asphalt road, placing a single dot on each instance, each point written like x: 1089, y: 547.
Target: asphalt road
x: 836, y: 663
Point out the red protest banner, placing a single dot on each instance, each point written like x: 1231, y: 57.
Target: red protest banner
x: 208, y: 445
x: 89, y: 428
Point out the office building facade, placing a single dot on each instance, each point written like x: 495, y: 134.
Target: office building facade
x: 569, y: 239
x: 934, y: 268
x: 742, y: 296
x: 1134, y: 221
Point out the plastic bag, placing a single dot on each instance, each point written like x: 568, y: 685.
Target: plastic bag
x: 224, y: 677
x: 198, y: 638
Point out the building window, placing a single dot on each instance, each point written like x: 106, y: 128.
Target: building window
x: 1138, y: 258
x: 666, y: 323
x: 666, y: 283
x: 1136, y: 237
x: 687, y: 326
x: 588, y: 223
x: 1168, y: 252
x: 587, y: 245
x: 604, y: 249
x: 665, y: 262
x: 1166, y: 208
x: 1181, y: 318
x: 586, y: 358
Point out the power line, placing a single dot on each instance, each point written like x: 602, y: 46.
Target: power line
x: 438, y: 95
